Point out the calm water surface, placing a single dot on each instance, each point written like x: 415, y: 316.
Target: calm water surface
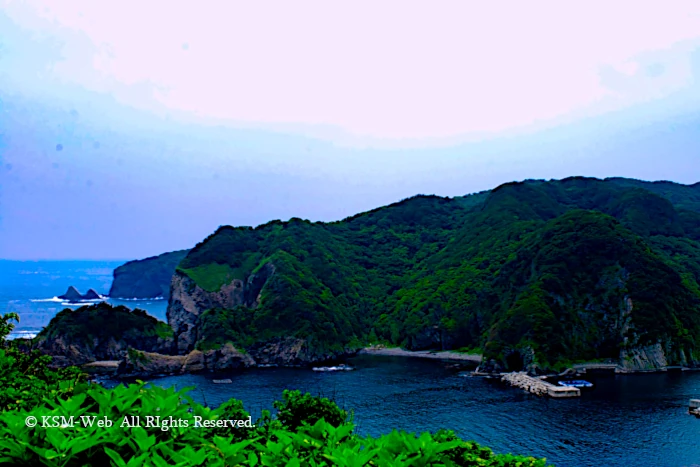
x: 633, y: 420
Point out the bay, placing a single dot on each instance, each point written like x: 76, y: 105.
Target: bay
x: 626, y: 420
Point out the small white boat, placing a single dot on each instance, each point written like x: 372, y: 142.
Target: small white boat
x: 341, y: 367
x: 222, y: 381
x: 577, y: 383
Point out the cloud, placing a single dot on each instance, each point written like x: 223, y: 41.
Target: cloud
x: 390, y: 70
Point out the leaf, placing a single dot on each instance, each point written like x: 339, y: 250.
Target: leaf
x: 116, y: 458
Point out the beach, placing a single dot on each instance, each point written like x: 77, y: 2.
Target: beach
x: 434, y: 354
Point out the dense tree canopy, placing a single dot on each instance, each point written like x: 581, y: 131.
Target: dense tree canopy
x: 573, y: 269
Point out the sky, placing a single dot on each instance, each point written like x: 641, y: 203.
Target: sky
x: 130, y: 129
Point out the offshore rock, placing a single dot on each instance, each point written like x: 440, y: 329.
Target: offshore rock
x: 72, y: 295
x: 91, y: 295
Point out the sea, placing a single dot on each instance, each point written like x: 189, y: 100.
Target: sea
x: 31, y: 289
x: 636, y: 420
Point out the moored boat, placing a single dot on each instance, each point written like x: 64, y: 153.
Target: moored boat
x: 576, y: 383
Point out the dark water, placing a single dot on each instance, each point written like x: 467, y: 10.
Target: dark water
x: 30, y: 288
x: 633, y: 420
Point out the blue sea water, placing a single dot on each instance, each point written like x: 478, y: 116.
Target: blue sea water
x: 626, y: 420
x: 636, y: 420
x: 31, y: 288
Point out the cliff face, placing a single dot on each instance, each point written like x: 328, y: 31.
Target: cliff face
x: 188, y: 301
x: 146, y: 278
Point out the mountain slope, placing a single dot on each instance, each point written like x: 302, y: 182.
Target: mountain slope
x: 536, y: 274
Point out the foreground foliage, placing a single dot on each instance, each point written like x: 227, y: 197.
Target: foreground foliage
x: 271, y: 442
x: 25, y: 377
x: 85, y: 424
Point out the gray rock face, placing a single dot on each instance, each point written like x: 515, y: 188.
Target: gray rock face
x: 646, y: 358
x: 188, y: 301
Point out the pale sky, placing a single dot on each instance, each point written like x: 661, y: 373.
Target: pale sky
x: 132, y: 128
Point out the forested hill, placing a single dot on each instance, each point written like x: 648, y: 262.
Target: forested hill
x: 535, y: 273
x: 146, y: 278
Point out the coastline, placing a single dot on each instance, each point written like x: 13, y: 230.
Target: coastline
x: 434, y: 354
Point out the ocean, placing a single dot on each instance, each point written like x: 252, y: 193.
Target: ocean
x: 31, y: 289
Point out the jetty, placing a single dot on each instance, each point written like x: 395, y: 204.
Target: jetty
x: 538, y: 386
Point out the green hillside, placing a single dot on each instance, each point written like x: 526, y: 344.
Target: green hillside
x: 533, y: 273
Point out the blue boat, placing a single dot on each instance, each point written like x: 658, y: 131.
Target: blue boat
x: 577, y: 383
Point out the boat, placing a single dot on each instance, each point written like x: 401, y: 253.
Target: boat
x: 222, y: 381
x: 576, y: 383
x: 341, y: 367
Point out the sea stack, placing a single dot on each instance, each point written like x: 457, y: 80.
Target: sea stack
x: 72, y: 295
x: 91, y: 295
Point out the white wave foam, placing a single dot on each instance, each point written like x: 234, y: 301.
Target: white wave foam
x: 54, y: 299
x: 136, y: 299
x: 21, y: 335
x: 62, y: 300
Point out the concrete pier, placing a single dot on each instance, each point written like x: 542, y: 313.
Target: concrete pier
x: 539, y: 387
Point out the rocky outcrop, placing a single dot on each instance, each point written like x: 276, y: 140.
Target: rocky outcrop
x: 655, y: 357
x: 91, y: 295
x: 73, y: 295
x: 146, y: 278
x: 141, y: 364
x: 290, y: 351
x: 101, y: 332
x: 647, y: 358
x: 188, y: 301
x: 67, y: 351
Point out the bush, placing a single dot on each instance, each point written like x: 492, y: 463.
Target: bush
x: 297, y: 409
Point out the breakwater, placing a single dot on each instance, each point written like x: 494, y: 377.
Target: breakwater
x: 537, y: 386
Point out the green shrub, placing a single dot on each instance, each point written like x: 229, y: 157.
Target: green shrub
x: 297, y: 409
